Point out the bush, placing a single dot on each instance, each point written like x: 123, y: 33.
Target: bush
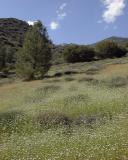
x: 2, y: 57
x: 49, y: 119
x: 76, y: 99
x: 70, y: 72
x: 76, y: 53
x: 126, y: 46
x: 109, y: 49
x: 86, y: 79
x: 92, y: 70
x: 9, y: 120
x: 48, y: 89
x: 69, y: 79
x: 6, y: 57
x: 118, y: 82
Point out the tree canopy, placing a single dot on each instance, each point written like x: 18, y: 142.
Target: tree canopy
x: 78, y: 53
x: 33, y: 59
x: 109, y: 49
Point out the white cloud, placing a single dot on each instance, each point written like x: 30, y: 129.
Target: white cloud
x: 31, y: 23
x: 54, y: 25
x: 61, y: 14
x: 114, y: 8
x: 63, y: 6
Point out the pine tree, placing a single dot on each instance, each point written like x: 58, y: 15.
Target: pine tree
x: 33, y: 59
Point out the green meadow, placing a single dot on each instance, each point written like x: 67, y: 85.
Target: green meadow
x: 77, y: 112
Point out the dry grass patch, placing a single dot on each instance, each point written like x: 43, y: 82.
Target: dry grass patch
x: 120, y: 69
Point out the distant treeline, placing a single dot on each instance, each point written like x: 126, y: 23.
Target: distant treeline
x: 102, y: 50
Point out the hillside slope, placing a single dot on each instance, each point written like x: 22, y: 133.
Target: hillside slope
x: 73, y: 117
x: 12, y: 32
x: 119, y: 40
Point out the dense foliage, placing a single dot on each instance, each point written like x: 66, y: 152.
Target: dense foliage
x: 78, y: 53
x: 7, y: 57
x: 2, y: 57
x: 110, y: 49
x: 126, y: 46
x: 33, y: 59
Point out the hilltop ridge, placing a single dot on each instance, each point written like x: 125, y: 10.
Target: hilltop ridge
x: 12, y: 32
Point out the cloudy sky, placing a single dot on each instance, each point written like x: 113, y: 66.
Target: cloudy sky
x: 72, y: 21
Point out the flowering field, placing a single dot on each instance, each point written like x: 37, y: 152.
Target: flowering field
x: 79, y: 116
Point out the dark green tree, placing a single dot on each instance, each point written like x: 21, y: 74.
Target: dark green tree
x: 126, y: 46
x: 2, y: 57
x: 109, y: 49
x: 78, y: 53
x: 33, y: 59
x: 6, y: 58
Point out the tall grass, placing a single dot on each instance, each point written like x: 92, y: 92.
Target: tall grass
x: 83, y: 117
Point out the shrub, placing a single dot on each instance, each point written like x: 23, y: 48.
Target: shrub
x: 48, y: 89
x: 126, y: 46
x: 86, y: 79
x: 90, y: 120
x: 76, y: 99
x: 76, y: 53
x: 49, y: 119
x: 6, y: 57
x: 9, y: 121
x: 56, y: 80
x: 118, y: 81
x: 9, y: 116
x: 69, y: 79
x: 109, y: 49
x: 33, y: 60
x: 70, y: 72
x: 58, y: 74
x: 2, y: 57
x: 92, y: 70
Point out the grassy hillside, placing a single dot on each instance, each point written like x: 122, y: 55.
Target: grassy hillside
x: 78, y: 112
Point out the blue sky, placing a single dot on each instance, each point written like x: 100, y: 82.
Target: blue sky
x: 72, y: 21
